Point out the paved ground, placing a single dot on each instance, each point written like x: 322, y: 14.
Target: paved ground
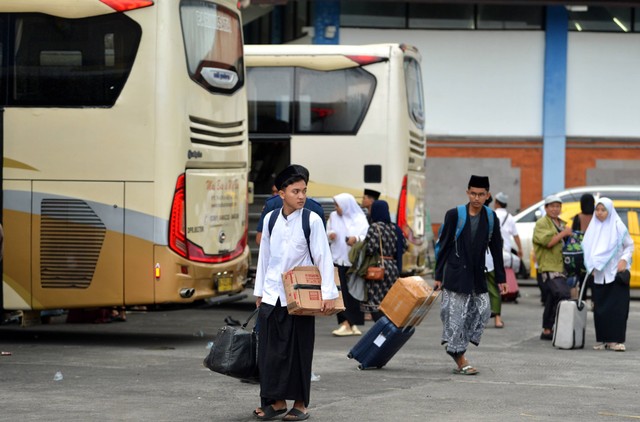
x: 150, y: 369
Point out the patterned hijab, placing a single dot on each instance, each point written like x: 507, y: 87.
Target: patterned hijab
x: 603, y: 239
x: 380, y: 213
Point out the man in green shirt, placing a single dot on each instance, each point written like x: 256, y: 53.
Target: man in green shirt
x: 548, y: 238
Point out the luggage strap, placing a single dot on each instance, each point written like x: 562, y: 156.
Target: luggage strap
x: 250, y: 317
x: 310, y: 287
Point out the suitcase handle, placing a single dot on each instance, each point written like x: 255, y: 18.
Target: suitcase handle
x: 581, y: 303
x: 418, y: 317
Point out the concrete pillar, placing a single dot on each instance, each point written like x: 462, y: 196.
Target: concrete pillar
x: 555, y: 101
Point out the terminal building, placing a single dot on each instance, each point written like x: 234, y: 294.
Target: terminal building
x: 538, y: 95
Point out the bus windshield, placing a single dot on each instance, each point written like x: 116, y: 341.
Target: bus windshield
x: 213, y: 45
x: 53, y: 61
x: 415, y: 102
x: 299, y: 100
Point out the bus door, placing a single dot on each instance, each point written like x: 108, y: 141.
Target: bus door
x: 270, y: 97
x: 77, y: 254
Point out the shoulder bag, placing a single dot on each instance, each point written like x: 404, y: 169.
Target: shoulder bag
x: 376, y: 273
x: 235, y: 352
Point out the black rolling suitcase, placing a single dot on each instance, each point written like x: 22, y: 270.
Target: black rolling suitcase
x: 376, y: 348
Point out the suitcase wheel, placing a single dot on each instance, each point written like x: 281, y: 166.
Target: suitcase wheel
x: 379, y: 367
x: 350, y: 355
x: 360, y: 367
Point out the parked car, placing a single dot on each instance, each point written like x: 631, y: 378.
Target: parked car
x: 626, y: 199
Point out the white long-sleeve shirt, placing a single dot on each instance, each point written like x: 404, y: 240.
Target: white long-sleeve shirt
x: 339, y: 248
x: 286, y: 247
x: 608, y: 273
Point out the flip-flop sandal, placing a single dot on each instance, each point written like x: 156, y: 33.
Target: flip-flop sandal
x: 295, y: 415
x: 465, y: 370
x: 269, y: 413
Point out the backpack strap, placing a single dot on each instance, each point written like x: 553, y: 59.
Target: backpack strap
x: 462, y: 219
x: 273, y: 218
x: 490, y: 220
x: 306, y: 226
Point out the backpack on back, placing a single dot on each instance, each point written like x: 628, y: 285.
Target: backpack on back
x: 573, y: 255
x: 462, y: 220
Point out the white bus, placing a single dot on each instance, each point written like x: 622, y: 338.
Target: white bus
x: 125, y: 152
x: 353, y: 115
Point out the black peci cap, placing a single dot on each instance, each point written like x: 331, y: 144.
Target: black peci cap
x: 291, y: 171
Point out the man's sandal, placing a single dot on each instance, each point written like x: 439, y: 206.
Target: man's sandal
x: 269, y: 413
x: 295, y: 415
x: 465, y: 370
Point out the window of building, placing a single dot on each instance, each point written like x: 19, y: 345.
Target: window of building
x: 370, y: 14
x: 600, y: 19
x: 509, y: 17
x: 441, y: 16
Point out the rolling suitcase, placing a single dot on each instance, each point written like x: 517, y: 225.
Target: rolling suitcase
x: 383, y: 340
x: 513, y: 291
x: 571, y: 322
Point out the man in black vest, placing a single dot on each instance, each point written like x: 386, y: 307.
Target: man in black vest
x: 460, y: 273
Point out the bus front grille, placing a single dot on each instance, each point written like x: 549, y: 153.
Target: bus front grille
x: 71, y: 237
x: 217, y: 134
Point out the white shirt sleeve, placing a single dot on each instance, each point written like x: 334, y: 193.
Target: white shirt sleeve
x: 263, y: 257
x: 627, y: 249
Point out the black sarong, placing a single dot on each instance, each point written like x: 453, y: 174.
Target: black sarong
x: 611, y: 310
x: 285, y: 354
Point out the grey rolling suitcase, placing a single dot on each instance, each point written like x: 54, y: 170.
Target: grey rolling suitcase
x: 571, y: 322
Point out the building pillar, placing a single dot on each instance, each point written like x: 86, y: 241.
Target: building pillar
x: 555, y: 100
x: 326, y: 24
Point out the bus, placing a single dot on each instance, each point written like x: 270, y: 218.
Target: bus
x: 354, y: 116
x: 125, y: 152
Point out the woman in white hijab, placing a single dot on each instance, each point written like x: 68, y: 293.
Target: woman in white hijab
x: 607, y: 249
x: 346, y: 226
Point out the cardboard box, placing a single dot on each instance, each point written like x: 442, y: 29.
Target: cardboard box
x: 304, y: 297
x: 403, y: 303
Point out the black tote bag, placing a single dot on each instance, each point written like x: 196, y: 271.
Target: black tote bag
x: 235, y: 352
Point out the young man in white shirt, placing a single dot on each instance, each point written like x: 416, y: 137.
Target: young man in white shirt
x: 286, y: 341
x: 508, y: 227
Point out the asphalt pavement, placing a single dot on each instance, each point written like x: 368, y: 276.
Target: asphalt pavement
x: 150, y: 369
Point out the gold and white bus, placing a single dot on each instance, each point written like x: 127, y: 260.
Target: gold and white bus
x: 354, y: 115
x: 125, y: 152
